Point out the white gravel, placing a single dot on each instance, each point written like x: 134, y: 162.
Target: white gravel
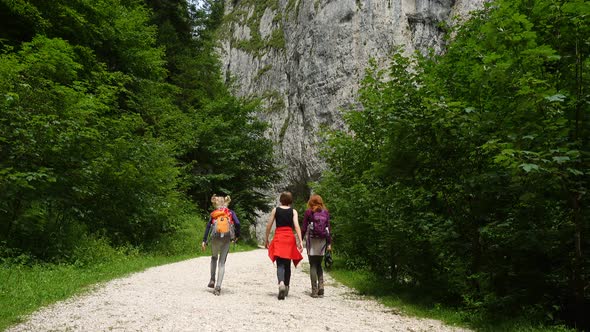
x: 175, y: 297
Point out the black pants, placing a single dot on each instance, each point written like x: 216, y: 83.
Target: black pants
x: 284, y: 270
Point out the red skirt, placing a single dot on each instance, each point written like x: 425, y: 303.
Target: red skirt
x: 283, y: 245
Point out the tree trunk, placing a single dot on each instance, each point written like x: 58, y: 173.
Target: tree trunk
x: 578, y: 260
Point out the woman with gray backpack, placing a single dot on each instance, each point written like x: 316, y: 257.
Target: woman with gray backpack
x: 317, y: 231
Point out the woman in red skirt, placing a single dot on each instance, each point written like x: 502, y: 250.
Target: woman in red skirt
x: 284, y: 247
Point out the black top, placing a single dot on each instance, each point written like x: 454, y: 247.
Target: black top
x: 284, y: 217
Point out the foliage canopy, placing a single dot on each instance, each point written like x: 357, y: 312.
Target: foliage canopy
x: 115, y: 123
x: 466, y: 173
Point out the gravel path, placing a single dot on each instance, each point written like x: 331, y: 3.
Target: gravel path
x: 174, y: 297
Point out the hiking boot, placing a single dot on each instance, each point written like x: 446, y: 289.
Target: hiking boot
x: 217, y: 290
x: 211, y: 283
x: 314, y: 292
x: 282, y: 291
x: 321, y: 288
x: 286, y: 291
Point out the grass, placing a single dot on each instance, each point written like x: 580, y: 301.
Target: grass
x: 24, y: 289
x: 413, y: 303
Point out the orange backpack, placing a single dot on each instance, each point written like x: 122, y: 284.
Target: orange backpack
x: 223, y: 224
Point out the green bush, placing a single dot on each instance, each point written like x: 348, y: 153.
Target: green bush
x: 109, y: 126
x: 465, y: 174
x: 184, y: 240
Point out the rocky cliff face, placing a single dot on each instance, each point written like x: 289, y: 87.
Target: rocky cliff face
x: 307, y: 57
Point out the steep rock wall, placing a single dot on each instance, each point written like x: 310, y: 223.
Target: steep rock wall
x: 307, y: 57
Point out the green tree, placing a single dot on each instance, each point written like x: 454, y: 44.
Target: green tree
x: 59, y: 129
x: 220, y: 142
x: 469, y: 170
x: 114, y: 118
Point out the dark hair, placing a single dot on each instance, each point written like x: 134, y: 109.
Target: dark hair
x: 286, y: 198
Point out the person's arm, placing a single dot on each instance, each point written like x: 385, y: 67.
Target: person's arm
x: 297, y: 230
x: 329, y: 239
x: 236, y: 224
x: 206, y: 235
x: 269, y: 226
x: 305, y: 223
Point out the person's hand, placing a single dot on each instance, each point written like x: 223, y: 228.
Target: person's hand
x: 235, y: 240
x: 329, y: 247
x: 203, y: 246
x: 300, y: 247
x: 266, y: 243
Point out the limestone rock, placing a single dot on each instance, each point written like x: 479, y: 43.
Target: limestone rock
x: 307, y: 57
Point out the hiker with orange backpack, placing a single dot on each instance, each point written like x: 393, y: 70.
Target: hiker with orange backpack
x: 318, y: 234
x: 284, y: 246
x: 224, y: 227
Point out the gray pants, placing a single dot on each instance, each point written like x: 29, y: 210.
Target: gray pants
x: 316, y: 272
x: 219, y: 251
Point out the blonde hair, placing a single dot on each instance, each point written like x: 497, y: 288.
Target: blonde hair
x: 220, y: 201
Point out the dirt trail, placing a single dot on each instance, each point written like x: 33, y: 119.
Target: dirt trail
x: 174, y: 297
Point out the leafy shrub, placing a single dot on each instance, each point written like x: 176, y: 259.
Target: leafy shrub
x: 466, y: 174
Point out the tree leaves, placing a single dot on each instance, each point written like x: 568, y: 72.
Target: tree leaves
x: 529, y: 167
x: 108, y: 130
x: 476, y: 160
